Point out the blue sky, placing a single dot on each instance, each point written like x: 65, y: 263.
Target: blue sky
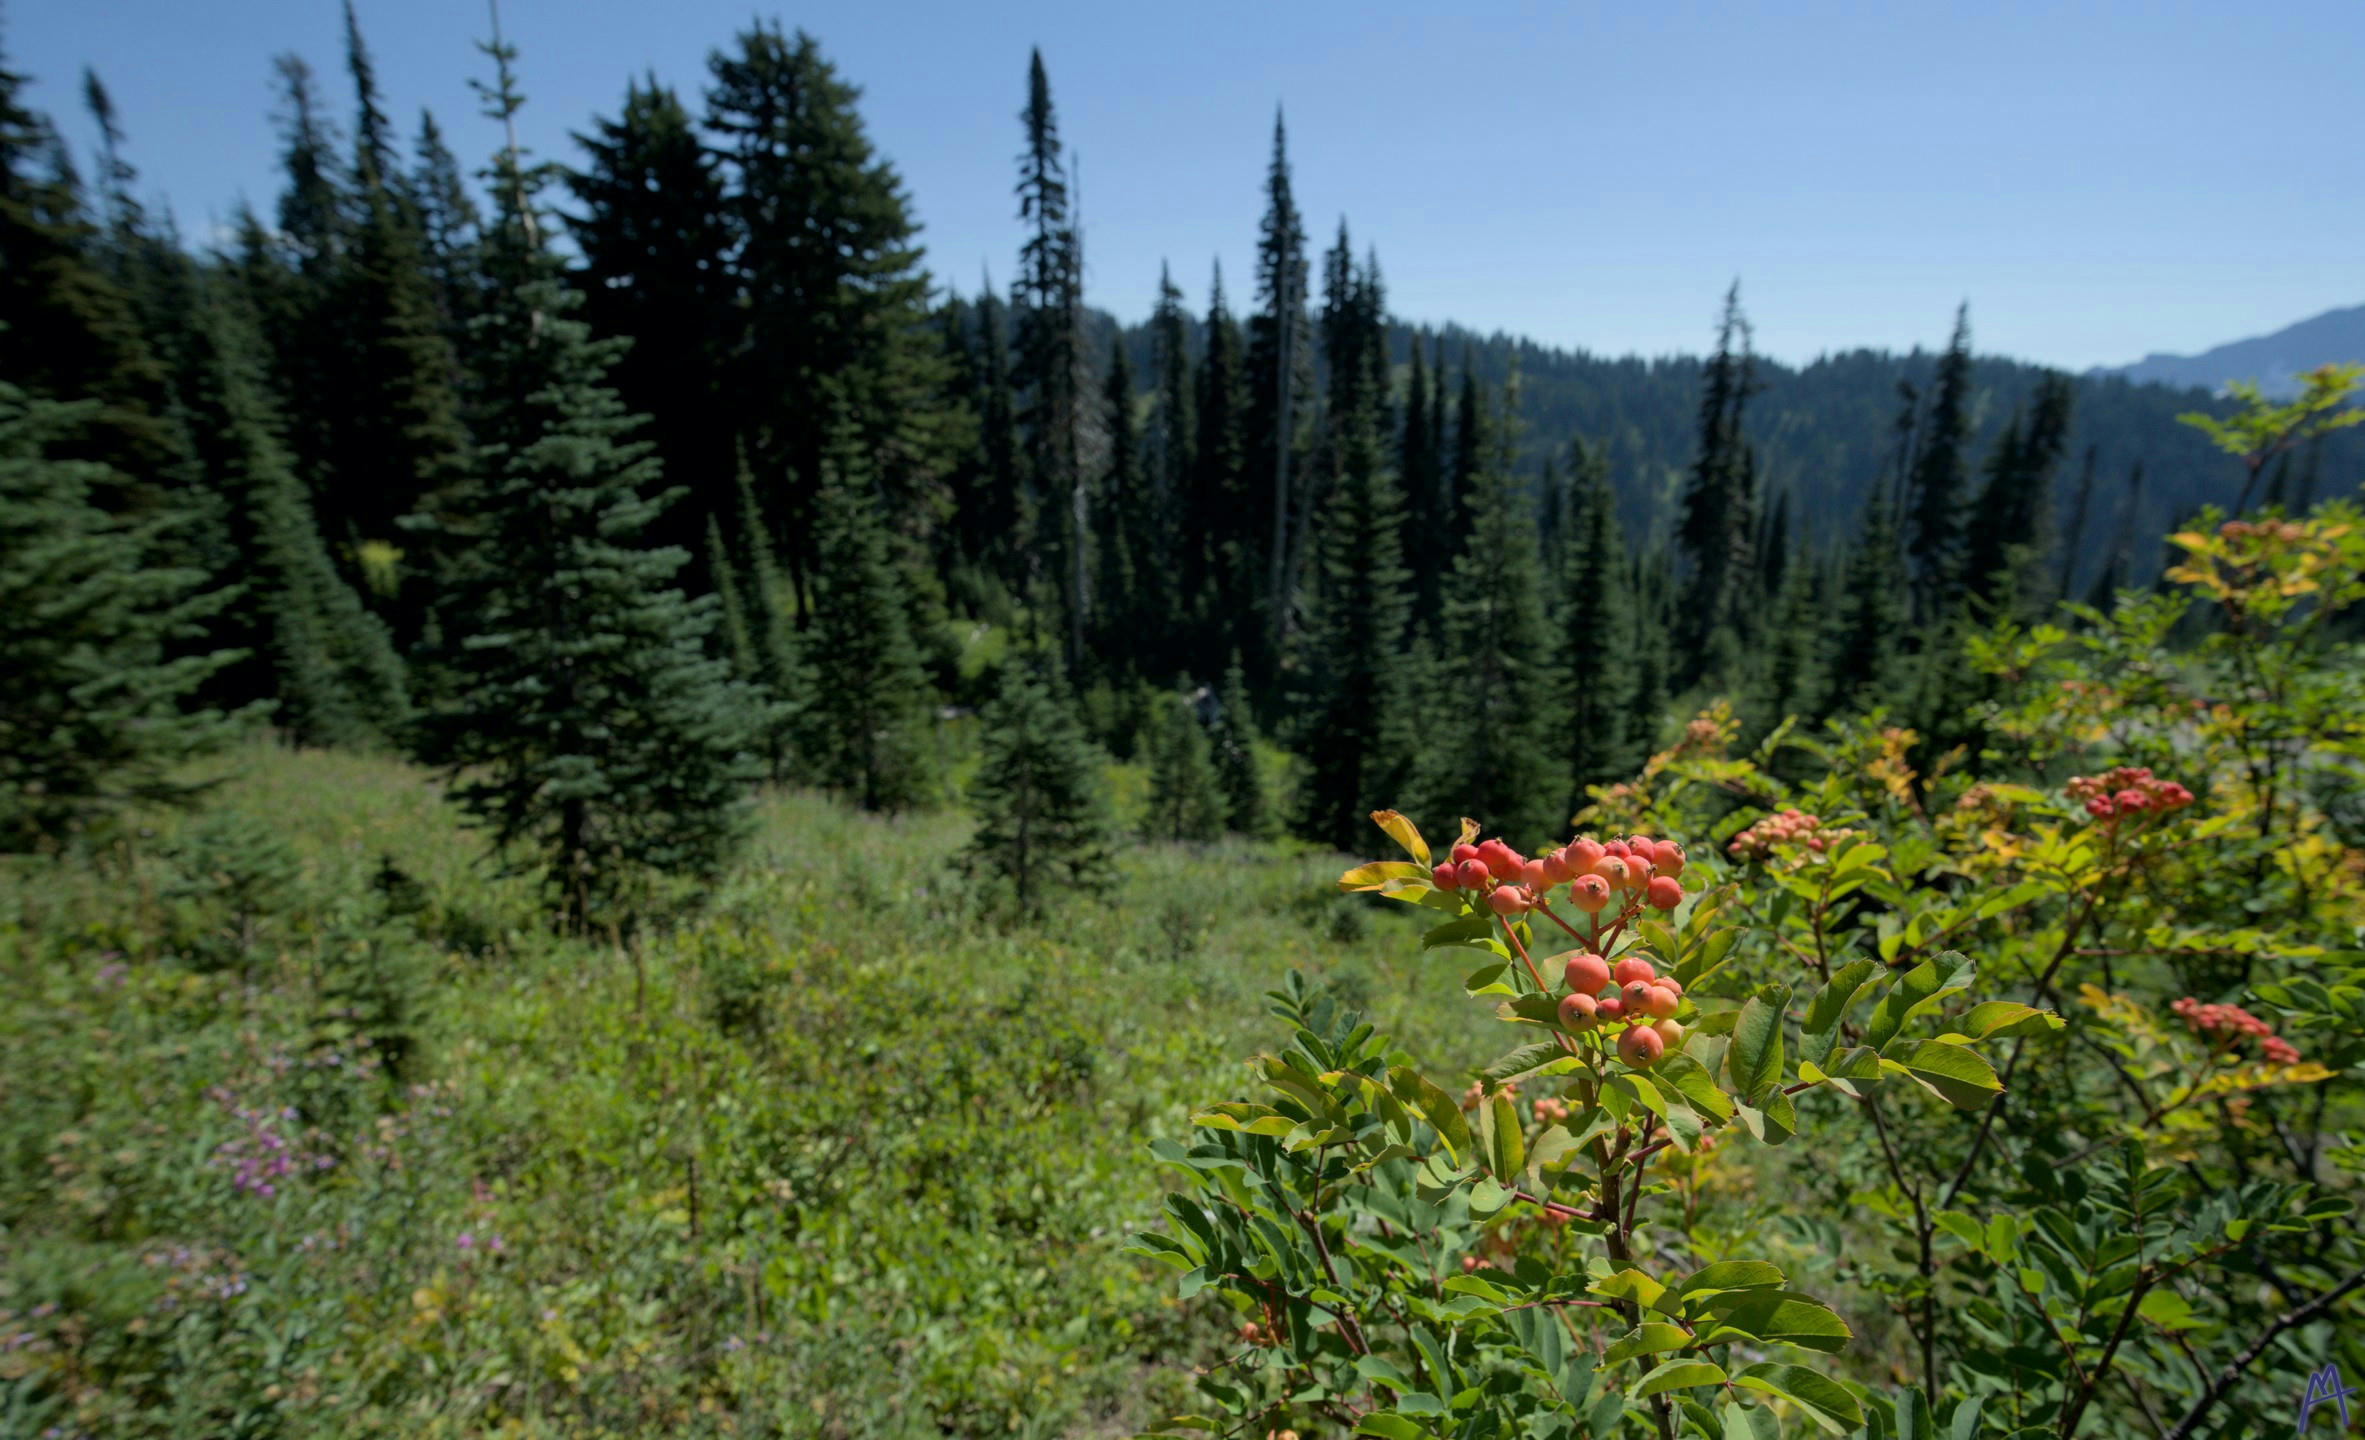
x: 2098, y: 180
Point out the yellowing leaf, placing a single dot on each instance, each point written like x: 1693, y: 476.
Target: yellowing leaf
x: 1404, y: 833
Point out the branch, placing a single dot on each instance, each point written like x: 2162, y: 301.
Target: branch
x: 2233, y: 1372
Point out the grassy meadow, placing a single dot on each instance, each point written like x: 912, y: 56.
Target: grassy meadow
x: 313, y: 1128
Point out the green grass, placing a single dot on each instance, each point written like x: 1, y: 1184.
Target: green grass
x: 836, y: 1156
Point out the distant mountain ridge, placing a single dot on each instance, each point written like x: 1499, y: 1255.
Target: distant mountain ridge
x: 2274, y: 361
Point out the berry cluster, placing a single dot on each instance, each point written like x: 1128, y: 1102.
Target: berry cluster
x: 1594, y: 871
x: 1631, y: 993
x: 1784, y: 827
x: 2290, y: 532
x: 2128, y: 790
x: 2230, y: 1025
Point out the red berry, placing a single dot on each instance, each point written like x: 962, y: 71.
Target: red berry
x: 1507, y: 900
x: 1670, y: 858
x: 1669, y: 982
x: 1445, y: 876
x: 1634, y: 968
x: 1617, y: 848
x: 1666, y: 892
x: 1577, y: 1012
x: 1473, y: 873
x: 1591, y: 892
x: 1641, y: 1047
x: 1501, y: 859
x: 1659, y: 1002
x: 1464, y: 852
x: 1535, y: 876
x: 1556, y: 868
x: 1670, y: 1034
x: 1584, y: 855
x: 1644, y: 846
x: 1586, y: 974
x: 1637, y: 996
x: 1613, y: 869
x: 1612, y: 1009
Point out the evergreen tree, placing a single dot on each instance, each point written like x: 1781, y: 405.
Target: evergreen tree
x: 1042, y: 813
x: 1596, y: 638
x: 1653, y: 584
x: 1934, y: 521
x: 998, y: 517
x: 92, y: 713
x: 2006, y: 538
x: 1280, y: 385
x: 1237, y: 769
x: 1185, y: 801
x: 67, y: 330
x: 397, y: 445
x: 1497, y: 680
x: 587, y: 725
x: 309, y: 643
x: 1047, y: 300
x: 1773, y: 548
x: 863, y: 723
x: 654, y: 243
x: 2115, y: 574
x: 1219, y: 525
x: 448, y: 222
x: 1428, y: 519
x: 1471, y: 445
x: 824, y: 266
x: 1356, y: 708
x: 1173, y: 436
x: 1787, y: 682
x: 2076, y: 534
x: 1130, y: 613
x: 782, y: 679
x: 1718, y: 528
x: 1870, y: 614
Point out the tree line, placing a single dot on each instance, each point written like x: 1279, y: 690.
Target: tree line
x: 615, y: 488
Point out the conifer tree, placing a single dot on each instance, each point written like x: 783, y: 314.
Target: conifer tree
x: 1471, y: 443
x: 1173, y: 436
x: 1718, y: 528
x: 783, y: 680
x: 309, y: 642
x: 67, y: 330
x: 1131, y: 610
x: 448, y: 223
x: 1427, y: 519
x: 2006, y: 537
x: 1279, y: 377
x: 1219, y: 523
x: 1043, y: 825
x: 1653, y: 581
x: 2076, y: 534
x: 825, y: 267
x: 1933, y: 518
x: 92, y: 714
x: 1870, y: 614
x: 862, y: 725
x: 1237, y: 769
x: 1185, y: 802
x: 1046, y: 297
x: 1596, y: 637
x: 1788, y: 680
x: 586, y: 725
x: 1497, y: 681
x: 1356, y: 707
x: 1001, y: 523
x: 654, y: 242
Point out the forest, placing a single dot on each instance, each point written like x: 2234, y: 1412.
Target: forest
x: 623, y: 813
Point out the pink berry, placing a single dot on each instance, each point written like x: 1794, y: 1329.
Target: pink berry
x: 1591, y: 893
x: 1507, y: 900
x: 1640, y: 1047
x: 1577, y: 1012
x: 1586, y: 974
x: 1446, y: 876
x: 1472, y: 872
x: 1634, y: 968
x: 1666, y: 892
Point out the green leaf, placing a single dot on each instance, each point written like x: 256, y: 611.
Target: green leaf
x: 1554, y: 1145
x: 1487, y: 980
x: 1755, y: 1061
x: 1630, y: 1285
x: 1916, y: 990
x: 1822, y: 1397
x: 1831, y: 1003
x: 1955, y: 1073
x: 1787, y: 1318
x: 1434, y: 1105
x: 1966, y: 1419
x: 1388, y: 1425
x: 1470, y: 930
x: 1730, y: 1275
x: 1506, y: 1146
x: 2002, y: 1019
x: 1687, y: 1078
x: 1649, y: 1338
x: 1861, y: 1063
x: 2168, y: 1310
x: 1678, y: 1375
x: 1521, y: 1060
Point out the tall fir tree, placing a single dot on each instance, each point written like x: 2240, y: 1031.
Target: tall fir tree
x: 1043, y: 827
x: 1471, y: 445
x: 1869, y: 616
x: 1128, y: 616
x: 1717, y: 528
x: 1219, y: 524
x: 449, y: 243
x: 1596, y: 649
x: 2006, y: 541
x: 863, y: 726
x: 1046, y: 298
x: 1652, y: 630
x: 587, y: 726
x: 654, y: 241
x: 1428, y: 520
x: 1934, y: 508
x: 825, y: 267
x: 1280, y: 370
x: 1356, y: 711
x: 1237, y: 769
x: 1173, y: 438
x: 1186, y: 804
x: 94, y: 701
x: 1497, y: 680
x: 2074, y: 538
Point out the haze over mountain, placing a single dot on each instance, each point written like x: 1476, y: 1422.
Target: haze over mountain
x: 2274, y: 361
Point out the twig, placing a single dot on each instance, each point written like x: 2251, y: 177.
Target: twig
x: 2233, y: 1372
